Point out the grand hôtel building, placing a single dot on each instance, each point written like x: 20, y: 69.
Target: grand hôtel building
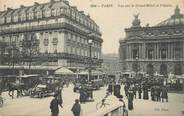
x: 155, y: 50
x: 62, y: 32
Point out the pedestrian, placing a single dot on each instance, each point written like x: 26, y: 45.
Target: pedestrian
x: 130, y: 99
x: 159, y: 93
x: 82, y: 96
x: 58, y: 93
x: 145, y: 92
x: 153, y: 93
x: 139, y: 91
x: 54, y: 106
x: 134, y: 91
x: 76, y: 109
x: 164, y: 94
x: 126, y: 90
x: 110, y: 88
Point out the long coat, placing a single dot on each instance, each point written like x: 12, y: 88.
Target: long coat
x: 164, y: 93
x: 130, y: 100
x: 76, y: 109
x: 54, y: 106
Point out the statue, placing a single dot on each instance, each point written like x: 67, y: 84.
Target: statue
x: 136, y: 16
x: 136, y: 22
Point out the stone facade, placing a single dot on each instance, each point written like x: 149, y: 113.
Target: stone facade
x: 62, y: 31
x: 158, y: 49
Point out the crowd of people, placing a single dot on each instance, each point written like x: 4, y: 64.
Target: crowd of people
x: 145, y: 89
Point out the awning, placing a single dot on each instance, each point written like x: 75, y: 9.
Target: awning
x: 28, y: 76
x: 179, y: 76
x: 93, y: 72
x: 63, y: 71
x: 32, y: 67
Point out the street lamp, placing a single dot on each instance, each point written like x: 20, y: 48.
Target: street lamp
x: 90, y: 42
x: 136, y: 58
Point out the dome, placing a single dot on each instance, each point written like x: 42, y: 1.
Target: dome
x: 176, y: 19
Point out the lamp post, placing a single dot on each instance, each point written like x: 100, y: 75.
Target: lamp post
x: 136, y: 59
x: 90, y: 68
x: 90, y: 58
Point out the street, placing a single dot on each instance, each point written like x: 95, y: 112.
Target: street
x: 26, y: 106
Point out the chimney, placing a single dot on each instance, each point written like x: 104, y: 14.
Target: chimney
x: 82, y: 12
x: 8, y: 9
x: 88, y: 16
x: 22, y: 6
x: 52, y: 1
x: 74, y: 7
x: 36, y: 3
x: 66, y: 2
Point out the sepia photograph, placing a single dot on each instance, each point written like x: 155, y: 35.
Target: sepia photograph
x: 91, y: 57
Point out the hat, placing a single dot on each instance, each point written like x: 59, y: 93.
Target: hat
x: 76, y: 101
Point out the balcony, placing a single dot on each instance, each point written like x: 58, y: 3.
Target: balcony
x: 157, y: 60
x: 40, y: 28
x: 53, y: 26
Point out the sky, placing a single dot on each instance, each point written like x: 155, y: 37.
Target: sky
x: 113, y: 16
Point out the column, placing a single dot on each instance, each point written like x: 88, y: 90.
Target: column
x: 155, y: 51
x: 183, y: 53
x: 172, y: 51
x: 144, y: 47
x: 169, y: 48
x: 127, y: 56
x: 126, y: 51
x: 130, y: 51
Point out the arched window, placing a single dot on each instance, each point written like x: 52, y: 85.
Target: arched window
x: 163, y: 69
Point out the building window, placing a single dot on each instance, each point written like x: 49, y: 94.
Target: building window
x: 31, y: 15
x: 46, y: 42
x: 39, y: 14
x: 46, y: 51
x: 73, y: 50
x: 47, y: 13
x: 177, y: 53
x: 53, y: 12
x: 23, y: 17
x: 55, y: 51
x: 8, y: 19
x: 150, y: 54
x: 58, y: 11
x: 55, y: 41
x: 163, y: 53
x: 135, y: 53
x: 15, y: 18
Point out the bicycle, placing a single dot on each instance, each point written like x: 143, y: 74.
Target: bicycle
x: 101, y: 104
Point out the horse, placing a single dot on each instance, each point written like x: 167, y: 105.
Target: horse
x: 15, y: 86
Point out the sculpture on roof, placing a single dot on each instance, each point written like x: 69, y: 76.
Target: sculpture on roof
x: 136, y: 22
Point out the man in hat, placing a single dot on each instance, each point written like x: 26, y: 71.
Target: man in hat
x: 54, y: 106
x: 76, y: 109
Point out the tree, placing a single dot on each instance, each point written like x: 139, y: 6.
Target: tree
x: 30, y: 47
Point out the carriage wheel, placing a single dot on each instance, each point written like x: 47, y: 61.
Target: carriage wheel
x: 40, y: 95
x: 98, y: 105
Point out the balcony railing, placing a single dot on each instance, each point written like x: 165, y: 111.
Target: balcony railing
x: 164, y: 60
x: 40, y: 27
